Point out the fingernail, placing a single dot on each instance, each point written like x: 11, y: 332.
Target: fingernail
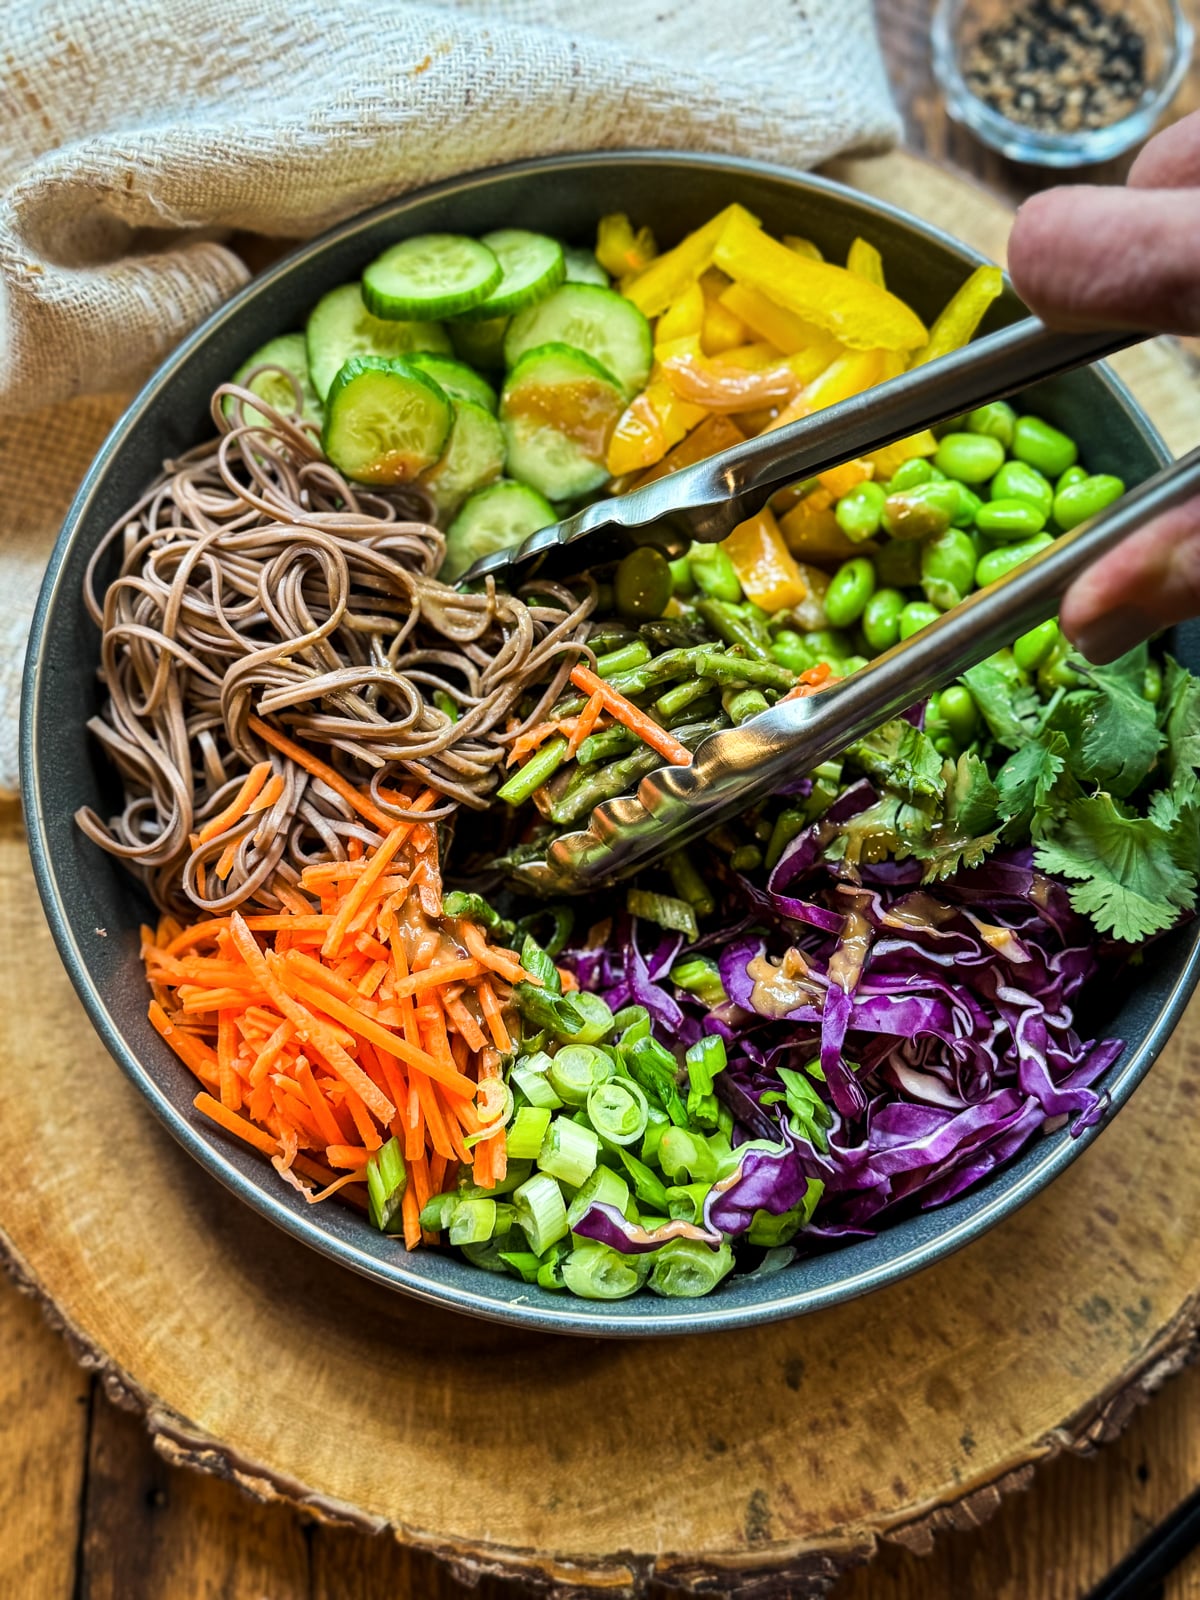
x: 1113, y: 634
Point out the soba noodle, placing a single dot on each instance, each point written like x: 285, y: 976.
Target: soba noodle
x: 256, y: 581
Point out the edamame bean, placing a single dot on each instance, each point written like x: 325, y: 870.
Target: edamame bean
x: 1042, y: 446
x: 681, y: 577
x: 1034, y: 647
x: 947, y: 746
x: 852, y: 664
x: 642, y: 584
x: 970, y: 457
x: 790, y: 650
x: 968, y: 507
x: 912, y: 472
x: 1010, y: 519
x: 714, y: 574
x: 1054, y: 673
x: 916, y: 615
x: 997, y: 562
x: 1079, y: 501
x: 898, y: 563
x: 959, y: 712
x: 858, y: 513
x: 1152, y: 683
x: 922, y: 512
x: 1072, y: 475
x: 826, y: 645
x: 948, y: 568
x: 881, y: 619
x: 1017, y: 480
x: 853, y: 585
x: 996, y: 420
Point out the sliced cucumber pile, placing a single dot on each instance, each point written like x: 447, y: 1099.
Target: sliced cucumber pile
x: 284, y: 358
x: 494, y: 519
x: 392, y: 368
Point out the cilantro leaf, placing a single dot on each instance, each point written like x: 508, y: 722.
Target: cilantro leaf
x: 1179, y: 716
x: 900, y: 757
x: 1011, y: 708
x: 967, y: 828
x: 809, y: 1114
x: 891, y: 827
x: 1177, y: 812
x: 1026, y: 784
x: 1111, y: 728
x: 1128, y: 878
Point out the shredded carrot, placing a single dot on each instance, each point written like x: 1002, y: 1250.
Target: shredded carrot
x: 630, y: 716
x: 234, y: 1124
x: 585, y: 723
x: 530, y: 740
x: 811, y: 680
x: 312, y: 764
x: 239, y: 805
x: 490, y: 1007
x: 346, y: 1155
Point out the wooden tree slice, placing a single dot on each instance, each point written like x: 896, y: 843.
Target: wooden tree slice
x: 763, y: 1459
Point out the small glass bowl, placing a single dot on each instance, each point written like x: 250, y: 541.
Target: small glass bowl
x: 1168, y: 35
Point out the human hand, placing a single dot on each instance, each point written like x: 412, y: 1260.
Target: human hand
x: 1092, y: 257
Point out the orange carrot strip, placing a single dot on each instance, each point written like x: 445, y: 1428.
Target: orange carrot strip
x: 193, y: 1052
x: 434, y: 977
x: 346, y: 1155
x: 411, y: 1212
x: 239, y: 805
x: 322, y: 1111
x: 367, y: 1131
x: 334, y: 1187
x: 368, y: 945
x: 268, y: 797
x: 435, y: 1123
x: 585, y: 722
x: 371, y: 979
x: 316, y: 972
x: 437, y: 1172
x: 361, y: 803
x: 363, y: 885
x: 414, y: 1123
x: 493, y: 1016
x: 500, y: 961
x: 812, y: 680
x: 270, y: 1052
x: 625, y: 712
x: 231, y: 1089
x: 469, y: 1030
x: 232, y: 1123
x: 530, y: 740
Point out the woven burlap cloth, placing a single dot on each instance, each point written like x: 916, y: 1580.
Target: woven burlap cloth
x: 137, y: 140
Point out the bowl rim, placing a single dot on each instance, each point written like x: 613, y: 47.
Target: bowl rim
x: 636, y: 1317
x: 1035, y: 146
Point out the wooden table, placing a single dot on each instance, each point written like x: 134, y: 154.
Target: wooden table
x: 89, y: 1511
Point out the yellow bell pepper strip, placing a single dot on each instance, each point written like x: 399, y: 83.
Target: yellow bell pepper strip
x: 812, y: 534
x: 714, y: 434
x: 808, y: 365
x: 865, y: 262
x: 762, y: 316
x: 683, y: 318
x: 802, y: 247
x: 767, y: 569
x: 649, y: 426
x: 620, y: 250
x: 722, y: 329
x: 862, y: 315
x: 893, y: 456
x: 665, y: 279
x: 850, y: 374
x: 958, y: 319
x: 751, y: 357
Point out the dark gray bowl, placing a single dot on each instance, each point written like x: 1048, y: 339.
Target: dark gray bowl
x: 84, y: 890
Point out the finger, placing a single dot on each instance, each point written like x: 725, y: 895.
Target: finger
x: 1171, y: 160
x: 1146, y: 583
x: 1126, y: 258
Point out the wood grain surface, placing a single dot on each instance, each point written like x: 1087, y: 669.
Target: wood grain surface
x: 953, y: 1396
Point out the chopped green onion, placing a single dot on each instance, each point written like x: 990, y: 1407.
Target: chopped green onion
x: 387, y: 1179
x: 563, y: 918
x: 704, y: 1060
x: 543, y: 1009
x: 683, y: 1152
x: 770, y: 1230
x: 576, y: 1068
x: 701, y: 977
x: 446, y: 703
x: 658, y: 1124
x: 473, y: 1221
x: 486, y: 1254
x: 475, y: 908
x: 724, y: 1122
x: 518, y: 1170
x: 549, y: 1274
x: 653, y: 1066
x: 789, y: 824
x: 528, y: 1130
x: 438, y: 1210
x: 604, y: 1188
x: 685, y: 1268
x: 634, y: 1024
x: 596, y: 1271
x: 522, y: 1263
x: 541, y: 1212
x: 634, y: 654
x: 540, y: 767
x: 597, y: 1018
x: 618, y: 1110
x: 677, y: 916
x: 647, y: 1185
x: 536, y: 1088
x: 703, y: 1109
x: 540, y: 965
x: 568, y: 1151
x: 688, y: 884
x: 685, y: 1201
x: 746, y: 858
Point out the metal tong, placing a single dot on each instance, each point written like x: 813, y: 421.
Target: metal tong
x: 737, y: 766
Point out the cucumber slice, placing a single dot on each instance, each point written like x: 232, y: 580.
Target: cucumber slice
x: 481, y: 344
x: 558, y: 410
x: 288, y: 352
x: 460, y: 381
x: 533, y: 266
x: 493, y: 519
x: 385, y: 421
x: 598, y: 321
x: 340, y: 326
x: 431, y: 275
x: 474, y: 455
x: 582, y: 267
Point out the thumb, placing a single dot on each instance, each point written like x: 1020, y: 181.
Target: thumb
x: 1146, y: 583
x: 1100, y: 257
